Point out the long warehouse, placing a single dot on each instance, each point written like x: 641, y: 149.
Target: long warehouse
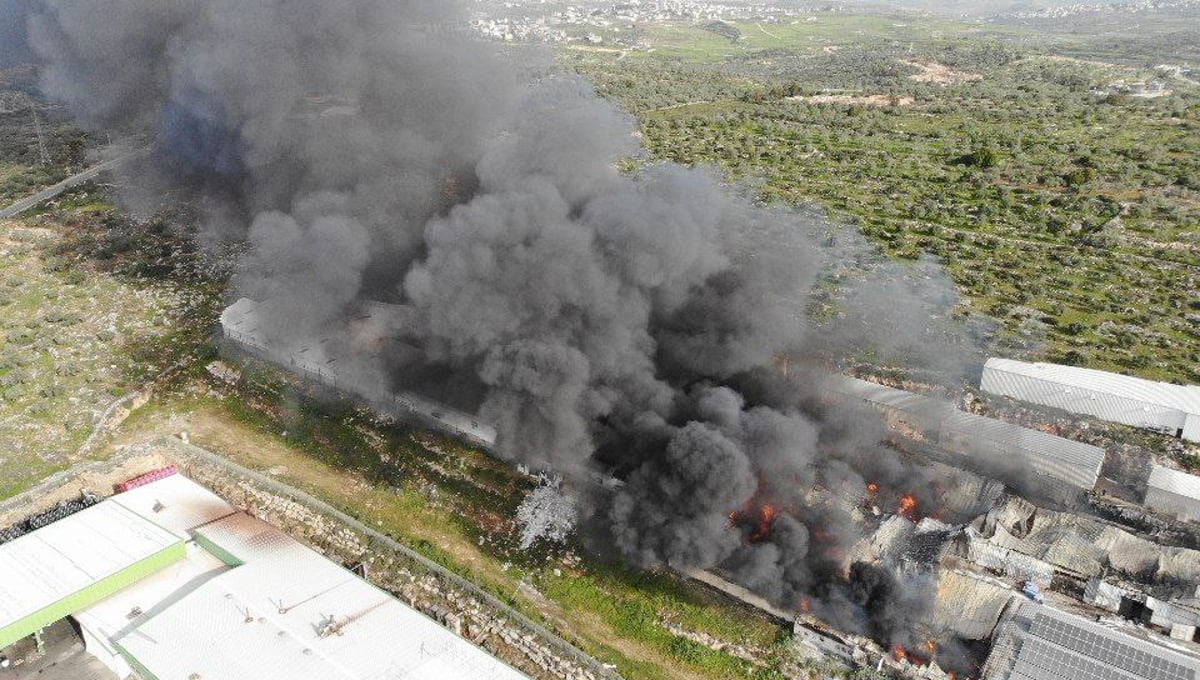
x: 1159, y: 406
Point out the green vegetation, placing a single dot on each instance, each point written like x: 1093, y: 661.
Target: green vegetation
x: 73, y: 338
x: 455, y: 505
x: 1062, y: 205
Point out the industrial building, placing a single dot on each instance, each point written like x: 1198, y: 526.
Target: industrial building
x: 170, y: 581
x: 1162, y: 407
x: 1037, y: 642
x: 76, y: 562
x: 1069, y: 464
x: 241, y: 327
x: 1174, y: 493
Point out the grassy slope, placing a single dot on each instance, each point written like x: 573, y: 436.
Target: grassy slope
x: 453, y: 504
x: 68, y: 340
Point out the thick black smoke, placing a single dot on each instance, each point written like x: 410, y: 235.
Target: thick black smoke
x: 368, y: 152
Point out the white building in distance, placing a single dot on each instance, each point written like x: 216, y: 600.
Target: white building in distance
x: 1158, y: 406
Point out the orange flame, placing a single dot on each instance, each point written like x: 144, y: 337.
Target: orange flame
x: 952, y: 675
x: 908, y: 506
x: 872, y: 488
x: 899, y: 653
x: 931, y: 645
x: 806, y: 605
x: 766, y: 518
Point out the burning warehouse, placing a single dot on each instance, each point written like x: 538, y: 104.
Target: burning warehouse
x: 1029, y: 460
x: 574, y: 317
x: 241, y: 325
x: 965, y: 572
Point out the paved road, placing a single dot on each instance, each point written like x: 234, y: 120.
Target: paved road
x: 74, y: 180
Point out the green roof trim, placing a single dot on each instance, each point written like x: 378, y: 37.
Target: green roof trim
x: 217, y: 551
x: 92, y: 594
x: 137, y: 665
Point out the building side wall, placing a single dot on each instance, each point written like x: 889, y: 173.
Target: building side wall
x: 142, y: 671
x: 91, y: 594
x: 97, y: 644
x: 217, y: 551
x: 1181, y: 506
x: 1084, y: 401
x: 1191, y: 427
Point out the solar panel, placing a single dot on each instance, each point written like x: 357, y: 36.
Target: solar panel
x: 1046, y: 662
x: 1108, y: 651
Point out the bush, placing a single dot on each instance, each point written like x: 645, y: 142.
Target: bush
x: 983, y: 158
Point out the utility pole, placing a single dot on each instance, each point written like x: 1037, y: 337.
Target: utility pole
x: 37, y: 125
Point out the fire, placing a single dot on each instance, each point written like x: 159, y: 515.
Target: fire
x: 931, y: 646
x: 872, y: 488
x: 806, y: 605
x: 952, y: 675
x: 766, y: 518
x: 899, y: 653
x: 760, y: 517
x: 908, y: 506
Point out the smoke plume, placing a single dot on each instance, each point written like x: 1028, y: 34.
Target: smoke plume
x: 371, y: 155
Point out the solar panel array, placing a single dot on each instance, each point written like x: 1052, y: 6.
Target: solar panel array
x: 1040, y: 660
x: 1107, y: 651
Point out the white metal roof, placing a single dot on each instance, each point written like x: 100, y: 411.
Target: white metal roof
x: 1174, y: 481
x: 1184, y: 398
x: 261, y: 619
x: 1064, y: 459
x: 882, y: 395
x: 61, y: 559
x: 111, y: 618
x: 175, y: 503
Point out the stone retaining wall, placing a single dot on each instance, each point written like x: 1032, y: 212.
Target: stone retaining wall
x: 434, y: 590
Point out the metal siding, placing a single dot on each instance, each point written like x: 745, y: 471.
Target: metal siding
x: 240, y: 325
x: 1065, y: 460
x: 1183, y: 507
x: 1108, y: 396
x: 1191, y: 427
x: 1174, y: 481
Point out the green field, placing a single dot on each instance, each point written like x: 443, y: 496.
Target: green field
x: 1069, y: 217
x: 1064, y: 206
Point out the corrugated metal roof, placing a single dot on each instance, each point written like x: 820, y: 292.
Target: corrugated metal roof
x: 882, y: 395
x: 1108, y: 396
x: 175, y: 503
x: 55, y: 562
x: 262, y: 619
x: 1174, y: 481
x: 1063, y: 459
